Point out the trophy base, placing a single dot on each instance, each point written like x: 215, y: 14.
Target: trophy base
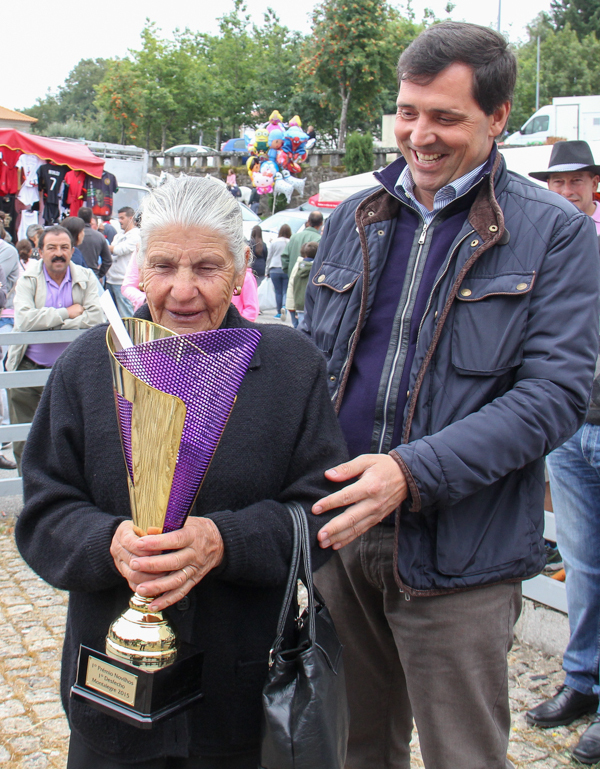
x: 139, y: 697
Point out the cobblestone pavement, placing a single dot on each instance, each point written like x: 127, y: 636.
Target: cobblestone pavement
x: 34, y: 731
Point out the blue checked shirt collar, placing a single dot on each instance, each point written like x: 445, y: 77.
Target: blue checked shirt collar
x: 405, y: 185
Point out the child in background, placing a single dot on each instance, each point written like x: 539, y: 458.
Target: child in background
x: 304, y: 266
x: 25, y: 249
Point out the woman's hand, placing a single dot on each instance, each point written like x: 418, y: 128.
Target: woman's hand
x: 197, y: 548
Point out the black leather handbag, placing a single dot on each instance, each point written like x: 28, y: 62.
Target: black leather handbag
x: 305, y: 711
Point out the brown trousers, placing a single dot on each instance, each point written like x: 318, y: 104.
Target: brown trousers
x: 439, y: 659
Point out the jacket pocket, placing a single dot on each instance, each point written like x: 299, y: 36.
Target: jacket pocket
x: 490, y: 319
x: 334, y: 283
x: 492, y: 530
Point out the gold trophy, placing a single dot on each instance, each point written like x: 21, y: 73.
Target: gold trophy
x: 173, y: 397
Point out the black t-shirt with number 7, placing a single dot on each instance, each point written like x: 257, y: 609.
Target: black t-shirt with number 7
x: 50, y: 179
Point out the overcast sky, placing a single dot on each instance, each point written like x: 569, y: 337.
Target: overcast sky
x: 38, y: 54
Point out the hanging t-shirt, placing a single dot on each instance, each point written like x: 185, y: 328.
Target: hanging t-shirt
x: 50, y: 179
x: 75, y: 182
x: 28, y: 194
x: 27, y: 218
x: 100, y: 193
x: 9, y: 174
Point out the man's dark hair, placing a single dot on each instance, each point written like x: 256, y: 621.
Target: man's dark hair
x: 315, y: 219
x: 54, y: 230
x: 309, y: 250
x: 74, y: 225
x: 450, y: 42
x: 85, y: 213
x: 128, y: 210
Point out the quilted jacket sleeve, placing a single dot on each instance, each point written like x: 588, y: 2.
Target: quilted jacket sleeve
x: 549, y: 399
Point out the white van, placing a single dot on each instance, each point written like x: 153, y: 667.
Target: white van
x: 568, y: 117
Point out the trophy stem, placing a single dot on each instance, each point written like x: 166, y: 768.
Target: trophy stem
x: 141, y: 637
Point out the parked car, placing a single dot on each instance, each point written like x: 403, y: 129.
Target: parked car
x: 249, y: 219
x: 294, y: 217
x: 127, y: 195
x: 191, y: 150
x: 187, y: 149
x: 235, y: 144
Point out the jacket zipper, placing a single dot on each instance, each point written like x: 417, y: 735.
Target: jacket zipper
x: 438, y: 281
x: 386, y: 403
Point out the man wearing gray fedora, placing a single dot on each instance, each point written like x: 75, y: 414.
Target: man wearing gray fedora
x: 574, y: 470
x: 573, y: 173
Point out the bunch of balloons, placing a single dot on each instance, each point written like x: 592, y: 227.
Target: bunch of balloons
x: 276, y: 155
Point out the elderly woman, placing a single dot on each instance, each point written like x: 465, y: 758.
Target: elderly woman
x: 221, y: 577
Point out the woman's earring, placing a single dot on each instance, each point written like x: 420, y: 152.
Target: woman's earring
x: 237, y: 290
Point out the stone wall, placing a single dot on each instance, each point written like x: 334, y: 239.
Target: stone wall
x: 313, y: 176
x: 321, y: 166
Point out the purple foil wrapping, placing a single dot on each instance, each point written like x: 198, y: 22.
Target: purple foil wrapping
x: 205, y: 370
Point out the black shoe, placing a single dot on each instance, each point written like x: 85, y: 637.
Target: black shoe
x: 566, y: 705
x: 7, y: 464
x: 588, y: 747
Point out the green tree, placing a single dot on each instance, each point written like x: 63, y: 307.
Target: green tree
x: 277, y: 55
x: 583, y: 16
x: 359, y: 153
x: 120, y: 96
x: 78, y: 94
x: 352, y: 54
x: 46, y: 110
x: 232, y: 62
x: 74, y: 100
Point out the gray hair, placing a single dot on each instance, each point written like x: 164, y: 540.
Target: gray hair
x: 194, y: 202
x: 33, y: 229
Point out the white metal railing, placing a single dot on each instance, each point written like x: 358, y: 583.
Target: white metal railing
x: 33, y: 378
x: 543, y: 589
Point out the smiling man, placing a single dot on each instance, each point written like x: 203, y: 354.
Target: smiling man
x: 457, y: 307
x: 53, y: 294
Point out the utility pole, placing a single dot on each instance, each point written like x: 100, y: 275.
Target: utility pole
x: 499, y: 14
x: 537, y: 77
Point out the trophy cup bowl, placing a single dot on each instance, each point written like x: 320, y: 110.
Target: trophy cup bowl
x: 155, y: 426
x: 173, y: 398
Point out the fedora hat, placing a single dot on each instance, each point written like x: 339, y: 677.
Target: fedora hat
x: 568, y: 156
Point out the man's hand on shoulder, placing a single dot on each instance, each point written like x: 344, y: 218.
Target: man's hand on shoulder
x: 381, y: 487
x: 75, y: 310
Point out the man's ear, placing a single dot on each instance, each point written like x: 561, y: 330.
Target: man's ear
x: 500, y: 118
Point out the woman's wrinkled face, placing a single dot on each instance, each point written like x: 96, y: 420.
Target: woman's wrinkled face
x: 189, y: 277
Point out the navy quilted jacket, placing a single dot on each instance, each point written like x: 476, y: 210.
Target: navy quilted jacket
x: 501, y: 376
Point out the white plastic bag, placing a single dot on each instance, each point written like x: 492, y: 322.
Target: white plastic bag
x: 266, y: 295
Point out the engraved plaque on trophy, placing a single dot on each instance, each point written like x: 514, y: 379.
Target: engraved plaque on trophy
x: 173, y: 397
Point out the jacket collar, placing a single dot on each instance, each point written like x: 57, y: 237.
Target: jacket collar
x: 390, y: 174
x: 231, y: 320
x: 485, y: 213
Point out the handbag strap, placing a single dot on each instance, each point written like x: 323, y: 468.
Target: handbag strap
x: 300, y: 551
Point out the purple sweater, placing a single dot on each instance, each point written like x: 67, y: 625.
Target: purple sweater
x: 372, y: 412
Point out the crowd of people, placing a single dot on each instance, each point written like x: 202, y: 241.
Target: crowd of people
x: 445, y: 342
x: 52, y: 280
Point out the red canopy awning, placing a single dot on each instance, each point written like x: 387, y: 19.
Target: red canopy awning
x: 77, y: 156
